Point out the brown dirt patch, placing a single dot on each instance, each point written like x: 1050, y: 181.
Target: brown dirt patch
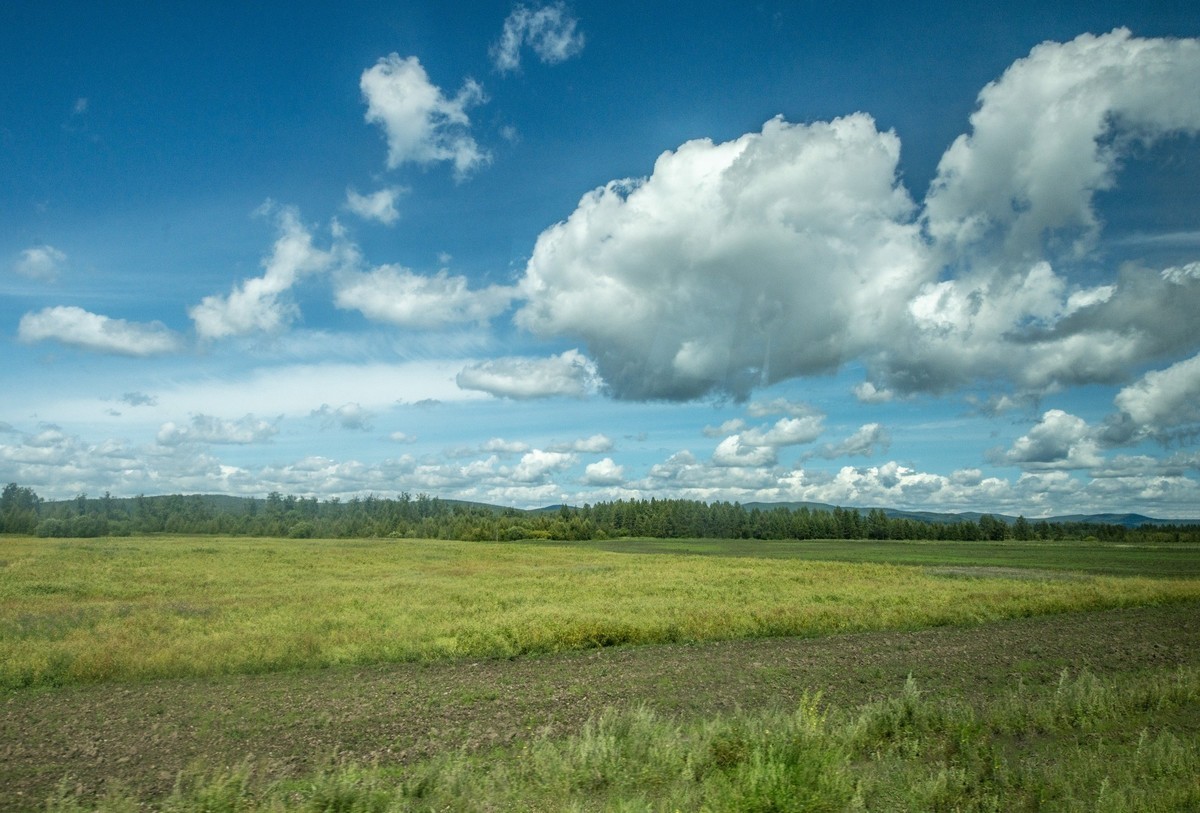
x: 142, y: 735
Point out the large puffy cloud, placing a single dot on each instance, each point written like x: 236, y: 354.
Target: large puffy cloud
x: 780, y: 253
x: 733, y: 451
x: 568, y: 374
x: 1036, y: 331
x: 1050, y: 133
x: 604, y: 473
x: 550, y: 31
x: 1059, y: 441
x: 786, y: 432
x: 257, y: 304
x: 759, y: 445
x: 1147, y: 316
x: 1016, y: 196
x: 1163, y: 403
x: 791, y: 251
x: 421, y: 124
x: 92, y: 331
x: 400, y: 297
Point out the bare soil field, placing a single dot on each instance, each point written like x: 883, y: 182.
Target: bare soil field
x: 142, y: 735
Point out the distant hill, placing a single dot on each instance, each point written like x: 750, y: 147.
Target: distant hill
x: 226, y: 504
x: 1127, y: 520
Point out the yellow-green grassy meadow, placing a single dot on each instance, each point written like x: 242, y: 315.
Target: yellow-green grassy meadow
x: 136, y: 608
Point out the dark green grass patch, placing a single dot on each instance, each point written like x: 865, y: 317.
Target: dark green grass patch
x: 1101, y: 558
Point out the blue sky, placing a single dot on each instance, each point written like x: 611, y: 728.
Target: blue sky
x: 938, y: 256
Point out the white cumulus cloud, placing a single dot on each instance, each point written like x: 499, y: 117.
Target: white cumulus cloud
x: 568, y: 374
x: 733, y: 451
x: 1027, y: 329
x: 210, y: 429
x: 1163, y: 402
x: 794, y: 250
x: 604, y: 473
x: 258, y: 304
x: 1058, y: 441
x: 537, y: 465
x: 92, y: 331
x: 400, y: 297
x: 785, y: 432
x: 868, y: 393
x: 1049, y: 134
x: 502, y: 446
x: 421, y: 124
x: 780, y: 253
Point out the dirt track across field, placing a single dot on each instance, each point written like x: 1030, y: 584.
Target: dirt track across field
x: 144, y: 734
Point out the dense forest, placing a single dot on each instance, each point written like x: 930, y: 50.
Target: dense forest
x: 23, y: 511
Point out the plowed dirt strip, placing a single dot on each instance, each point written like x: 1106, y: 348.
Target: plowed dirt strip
x: 142, y: 735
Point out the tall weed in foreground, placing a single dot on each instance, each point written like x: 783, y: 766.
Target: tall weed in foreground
x: 1084, y: 746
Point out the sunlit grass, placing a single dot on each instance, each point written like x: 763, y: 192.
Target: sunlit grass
x: 78, y: 611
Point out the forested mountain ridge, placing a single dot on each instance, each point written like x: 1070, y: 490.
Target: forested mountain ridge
x: 22, y: 511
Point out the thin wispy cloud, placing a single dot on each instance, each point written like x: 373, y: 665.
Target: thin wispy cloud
x: 550, y: 31
x: 41, y: 263
x: 379, y: 205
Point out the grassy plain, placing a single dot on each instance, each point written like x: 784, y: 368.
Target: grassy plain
x: 198, y: 664
x: 79, y: 611
x: 1112, y: 559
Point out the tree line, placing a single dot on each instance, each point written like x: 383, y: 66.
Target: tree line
x: 422, y: 516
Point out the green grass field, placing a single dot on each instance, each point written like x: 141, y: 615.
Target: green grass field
x: 1165, y: 560
x: 137, y: 608
x: 132, y: 613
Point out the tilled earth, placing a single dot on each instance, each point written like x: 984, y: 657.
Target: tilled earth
x: 288, y: 724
